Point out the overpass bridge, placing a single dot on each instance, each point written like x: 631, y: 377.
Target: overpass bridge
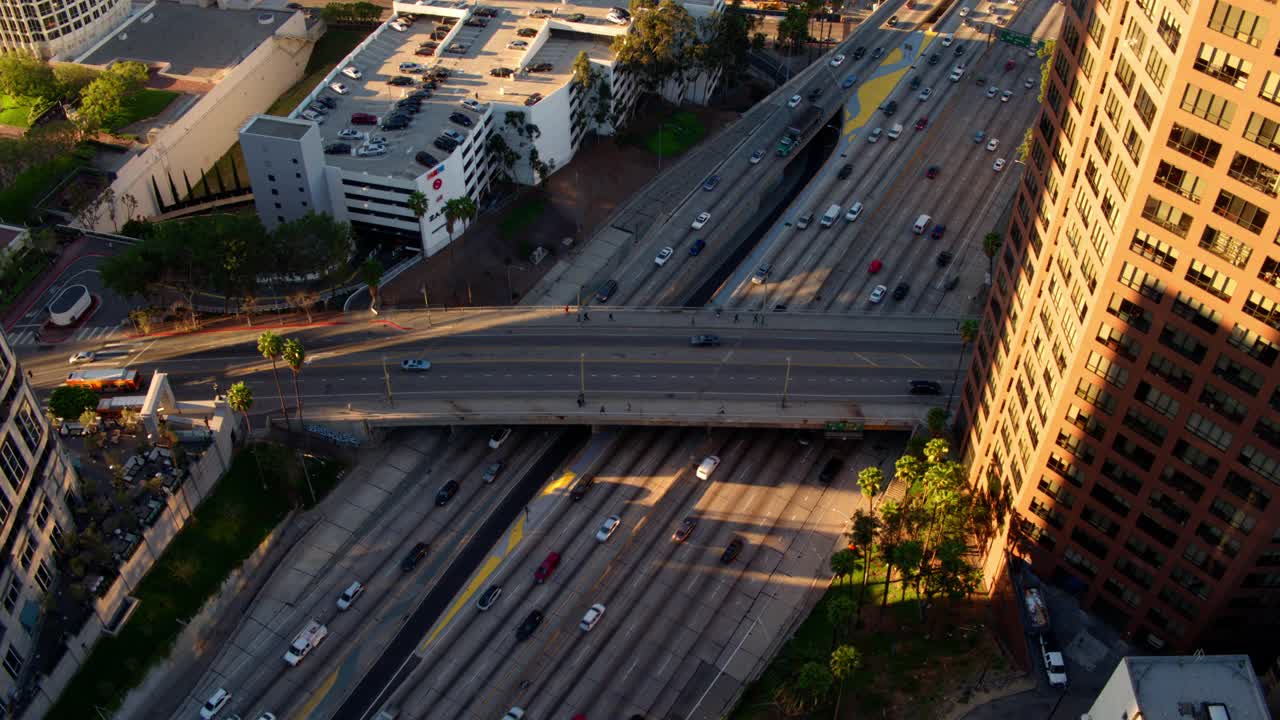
x: 619, y: 366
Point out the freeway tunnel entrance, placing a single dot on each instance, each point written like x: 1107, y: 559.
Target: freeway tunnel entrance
x: 797, y: 174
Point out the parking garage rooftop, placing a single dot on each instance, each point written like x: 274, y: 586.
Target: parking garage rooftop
x: 469, y: 55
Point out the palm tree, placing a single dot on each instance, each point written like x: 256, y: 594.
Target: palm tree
x: 869, y: 481
x: 843, y: 563
x: 418, y: 204
x: 840, y: 610
x: 845, y: 661
x: 991, y: 243
x: 863, y: 534
x: 240, y: 399
x: 294, y: 356
x: 462, y: 209
x: 271, y: 345
x: 968, y: 334
x: 371, y: 273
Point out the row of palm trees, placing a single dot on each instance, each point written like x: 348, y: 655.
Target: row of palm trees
x: 273, y: 348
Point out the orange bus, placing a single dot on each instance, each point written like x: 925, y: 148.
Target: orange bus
x: 111, y: 379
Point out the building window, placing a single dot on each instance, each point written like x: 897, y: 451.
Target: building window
x: 1207, y: 106
x: 1155, y: 399
x: 1196, y: 146
x: 1124, y: 74
x: 1222, y: 65
x: 1167, y: 216
x: 12, y: 662
x: 1236, y: 23
x: 1209, y: 431
x: 42, y: 511
x: 30, y: 425
x: 1270, y: 90
x: 1208, y: 278
x: 1261, y: 463
x: 1157, y: 69
x: 1240, y: 211
x: 15, y: 465
x: 6, y: 506
x: 1259, y: 176
x: 1200, y: 315
x: 12, y: 594
x: 1169, y: 30
x: 1253, y: 345
x: 43, y: 577
x: 1263, y: 308
x: 1145, y: 106
x: 1225, y: 246
x: 1148, y: 285
x: 1177, y: 376
x: 1175, y: 179
x: 1263, y: 131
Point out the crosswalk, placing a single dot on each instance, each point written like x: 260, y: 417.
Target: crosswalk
x: 85, y: 334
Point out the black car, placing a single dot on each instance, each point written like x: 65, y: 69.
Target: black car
x: 732, y: 551
x: 400, y: 80
x: 337, y: 149
x: 539, y: 67
x: 926, y: 387
x: 580, y: 488
x: 893, y: 21
x: 411, y: 560
x: 533, y: 99
x: 944, y: 258
x: 529, y: 625
x: 877, y: 53
x: 486, y: 12
x: 418, y: 95
x: 488, y: 597
x: 461, y: 119
x: 575, y: 17
x: 399, y: 117
x: 327, y: 101
x: 446, y: 493
x: 814, y: 94
x: 859, y: 52
x: 830, y: 471
x: 394, y: 124
x: 934, y: 59
x: 445, y: 144
x: 477, y: 22
x: 845, y: 172
x: 502, y: 72
x: 890, y: 108
x: 526, y: 32
x: 426, y: 159
x: 915, y: 83
x: 706, y: 340
x: 959, y: 50
x: 901, y: 291
x: 606, y: 291
x: 412, y: 108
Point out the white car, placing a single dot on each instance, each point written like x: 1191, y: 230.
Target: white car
x: 794, y: 101
x: 82, y: 357
x: 410, y: 67
x: 371, y: 150
x: 469, y: 104
x: 352, y: 72
x: 701, y: 221
x: 608, y: 527
x: 875, y: 135
x: 854, y: 211
x: 925, y: 93
x: 877, y: 293
x: 267, y: 716
x: 348, y: 596
x: 1004, y: 96
x: 338, y: 88
x: 947, y: 40
x: 663, y: 256
x: 991, y: 146
x: 964, y: 11
x: 517, y: 45
x: 1029, y: 83
x: 708, y: 466
x: 515, y: 713
x: 415, y: 365
x: 498, y: 437
x: 992, y: 91
x: 756, y: 157
x: 399, y: 26
x: 837, y: 61
x: 998, y: 165
x: 215, y: 703
x: 351, y: 134
x: 594, y: 613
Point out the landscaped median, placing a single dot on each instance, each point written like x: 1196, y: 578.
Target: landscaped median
x: 262, y: 485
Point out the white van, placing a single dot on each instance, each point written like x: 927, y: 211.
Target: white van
x: 922, y: 223
x: 832, y: 214
x: 895, y: 131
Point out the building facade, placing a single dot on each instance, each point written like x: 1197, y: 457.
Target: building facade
x: 1124, y: 389
x: 47, y: 28
x: 1216, y: 687
x: 37, y: 488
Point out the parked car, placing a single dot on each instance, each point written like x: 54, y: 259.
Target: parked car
x: 533, y: 99
x: 416, y: 553
x: 501, y: 72
x: 364, y: 119
x: 461, y: 119
x: 352, y: 72
x: 400, y: 81
x: 527, y: 32
x: 426, y: 159
x: 732, y: 551
x: 539, y: 68
x: 445, y: 144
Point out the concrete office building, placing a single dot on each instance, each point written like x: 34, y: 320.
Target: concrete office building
x: 49, y: 29
x: 1208, y: 687
x: 37, y: 485
x: 1124, y: 384
x: 508, y: 99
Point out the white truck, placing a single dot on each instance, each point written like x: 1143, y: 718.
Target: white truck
x: 831, y: 215
x: 1054, y: 665
x: 309, y: 639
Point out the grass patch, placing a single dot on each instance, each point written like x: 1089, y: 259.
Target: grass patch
x: 147, y: 103
x: 20, y: 274
x: 18, y: 201
x: 675, y: 134
x: 225, y: 530
x: 224, y: 168
x: 521, y: 217
x: 15, y: 111
x: 329, y: 50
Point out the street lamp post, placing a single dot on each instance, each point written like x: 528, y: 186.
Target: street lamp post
x: 786, y: 383
x: 386, y: 377
x: 426, y: 302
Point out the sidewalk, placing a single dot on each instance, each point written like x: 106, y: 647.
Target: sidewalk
x: 68, y: 255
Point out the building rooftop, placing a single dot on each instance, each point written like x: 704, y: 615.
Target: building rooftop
x: 278, y: 127
x: 1188, y: 687
x: 188, y: 40
x: 468, y: 53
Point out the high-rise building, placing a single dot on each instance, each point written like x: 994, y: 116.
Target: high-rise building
x: 1124, y: 384
x: 1212, y: 687
x: 57, y: 28
x: 36, y: 486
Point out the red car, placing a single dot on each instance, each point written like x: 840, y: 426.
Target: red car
x: 922, y: 123
x: 363, y: 119
x: 547, y: 567
x: 932, y: 172
x: 876, y: 266
x: 1009, y: 65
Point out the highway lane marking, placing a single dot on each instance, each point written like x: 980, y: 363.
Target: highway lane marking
x: 320, y: 694
x: 491, y: 564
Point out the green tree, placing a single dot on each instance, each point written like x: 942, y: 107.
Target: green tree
x: 240, y: 399
x: 846, y: 660
x: 812, y: 686
x: 418, y: 204
x: 843, y: 563
x: 991, y: 243
x: 968, y: 334
x: 27, y: 76
x: 459, y: 210
x: 102, y: 100
x: 869, y: 481
x: 936, y: 420
x: 907, y: 558
x: 314, y: 243
x: 892, y: 525
x: 662, y: 42
x: 793, y: 28
x: 730, y: 38
x: 67, y: 402
x: 840, y: 611
x: 583, y: 73
x: 271, y: 346
x: 295, y: 356
x: 371, y: 274
x: 863, y: 534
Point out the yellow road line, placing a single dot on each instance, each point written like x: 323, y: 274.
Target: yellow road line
x: 320, y: 694
x: 490, y: 564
